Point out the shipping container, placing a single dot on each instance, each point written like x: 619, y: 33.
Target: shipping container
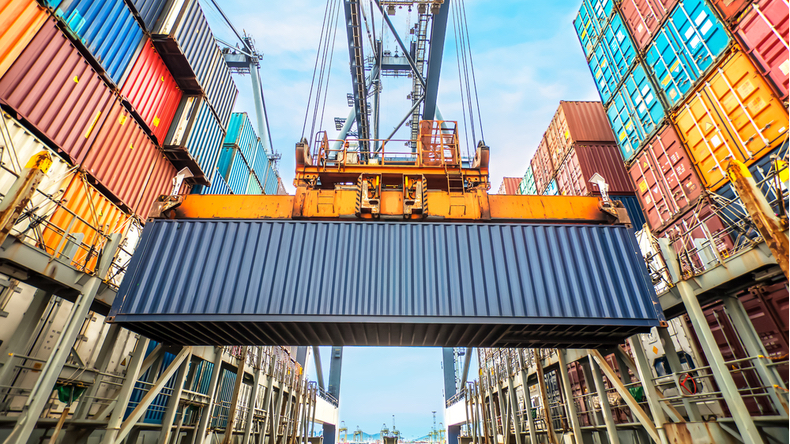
x: 763, y: 32
x: 254, y: 185
x: 541, y: 165
x: 152, y: 92
x: 586, y: 29
x: 551, y: 189
x: 21, y: 21
x: 108, y: 30
x: 235, y: 272
x: 221, y: 90
x: 56, y: 90
x: 729, y: 9
x: 699, y: 237
x: 15, y: 156
x: 121, y: 156
x: 195, y: 138
x: 733, y: 115
x: 160, y: 182
x: 684, y: 48
x: 612, y: 58
x: 79, y: 227
x: 666, y: 182
x: 148, y: 11
x: 635, y: 211
x: 234, y: 168
x: 635, y: 112
x: 576, y: 122
x: 527, y: 185
x: 584, y: 161
x: 644, y: 17
x: 184, y: 40
x: 600, y: 12
x: 509, y: 185
x: 242, y: 134
x: 218, y: 185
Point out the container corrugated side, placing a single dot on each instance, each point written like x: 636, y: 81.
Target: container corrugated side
x: 218, y: 185
x: 184, y: 40
x: 254, y: 185
x: 57, y: 91
x: 764, y: 34
x: 242, y: 134
x: 585, y: 122
x: 152, y: 91
x: 527, y: 185
x: 107, y: 28
x: 21, y: 21
x: 584, y: 161
x: 612, y: 58
x: 733, y: 115
x: 273, y: 181
x: 220, y: 89
x: 195, y: 138
x: 541, y: 165
x: 237, y: 171
x: 148, y: 11
x: 586, y: 30
x: 160, y: 182
x: 78, y: 227
x: 635, y: 112
x: 26, y: 145
x: 551, y: 189
x: 205, y: 139
x: 729, y: 9
x: 666, y: 181
x: 509, y: 185
x: 121, y: 156
x: 643, y: 17
x: 689, y: 43
x: 635, y: 211
x: 518, y: 279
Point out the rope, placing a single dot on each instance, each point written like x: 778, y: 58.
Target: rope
x: 315, y: 66
x: 472, y: 68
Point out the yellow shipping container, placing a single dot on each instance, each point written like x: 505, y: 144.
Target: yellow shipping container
x: 79, y: 227
x: 20, y: 20
x: 732, y: 115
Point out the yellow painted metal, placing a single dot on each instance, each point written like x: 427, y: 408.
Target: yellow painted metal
x: 557, y: 208
x: 234, y: 206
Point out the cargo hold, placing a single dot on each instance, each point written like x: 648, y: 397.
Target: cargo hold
x: 435, y: 284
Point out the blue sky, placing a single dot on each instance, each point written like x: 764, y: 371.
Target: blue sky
x: 527, y: 58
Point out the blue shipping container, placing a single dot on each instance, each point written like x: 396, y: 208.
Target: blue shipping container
x: 613, y: 57
x: 204, y: 142
x: 634, y: 208
x: 148, y: 11
x: 552, y: 189
x: 218, y: 185
x: 107, y: 28
x: 238, y: 172
x: 635, y: 112
x: 242, y: 134
x: 684, y: 48
x: 156, y: 411
x: 233, y: 282
x: 586, y: 30
x: 254, y: 185
x: 220, y: 89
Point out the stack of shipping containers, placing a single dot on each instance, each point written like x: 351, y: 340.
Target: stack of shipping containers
x: 510, y: 185
x: 688, y: 86
x: 122, y: 95
x: 578, y: 144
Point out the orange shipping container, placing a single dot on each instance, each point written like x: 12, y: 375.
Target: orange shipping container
x: 21, y: 20
x: 733, y: 115
x: 78, y: 229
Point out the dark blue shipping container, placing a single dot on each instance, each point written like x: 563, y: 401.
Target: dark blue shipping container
x: 148, y: 11
x: 635, y: 212
x: 218, y: 185
x: 225, y: 282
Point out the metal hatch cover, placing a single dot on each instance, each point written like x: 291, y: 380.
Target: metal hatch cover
x: 286, y: 282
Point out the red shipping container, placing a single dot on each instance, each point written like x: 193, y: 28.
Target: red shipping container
x: 729, y: 9
x: 152, y: 91
x: 541, y: 166
x: 584, y: 161
x: 666, y: 181
x: 697, y: 237
x: 54, y: 88
x: 576, y: 122
x: 160, y: 181
x: 509, y: 185
x: 644, y: 17
x: 763, y: 32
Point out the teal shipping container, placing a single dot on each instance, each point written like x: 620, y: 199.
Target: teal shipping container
x: 195, y: 138
x: 635, y: 112
x: 586, y: 29
x: 254, y: 185
x: 218, y: 185
x: 234, y: 169
x: 242, y: 134
x: 108, y: 30
x: 612, y: 58
x: 527, y: 185
x: 689, y: 43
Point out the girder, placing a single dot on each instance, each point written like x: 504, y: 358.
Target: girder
x: 357, y: 65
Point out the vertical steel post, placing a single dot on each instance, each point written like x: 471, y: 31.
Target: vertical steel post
x: 201, y: 431
x: 723, y: 377
x: 22, y: 190
x: 102, y: 361
x: 675, y: 367
x: 234, y: 401
x: 573, y: 417
x: 172, y: 404
x: 256, y: 380
x: 19, y: 341
x: 448, y: 366
x: 42, y: 389
x: 527, y: 399
x: 646, y: 378
x: 603, y: 400
x: 257, y: 93
x: 511, y: 391
x: 122, y: 401
x: 544, y: 399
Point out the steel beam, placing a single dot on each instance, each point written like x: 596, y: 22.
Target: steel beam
x: 692, y: 410
x: 435, y: 54
x: 544, y: 399
x: 667, y: 408
x: 172, y: 404
x: 511, y: 391
x: 527, y: 400
x: 573, y: 416
x: 448, y: 366
x: 467, y: 361
x: 729, y: 390
x: 234, y: 401
x: 646, y: 378
x: 122, y: 399
x: 603, y: 401
x: 22, y: 190
x: 356, y: 57
x: 319, y: 372
x: 201, y: 431
x: 252, y: 402
x: 42, y: 389
x: 626, y: 396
